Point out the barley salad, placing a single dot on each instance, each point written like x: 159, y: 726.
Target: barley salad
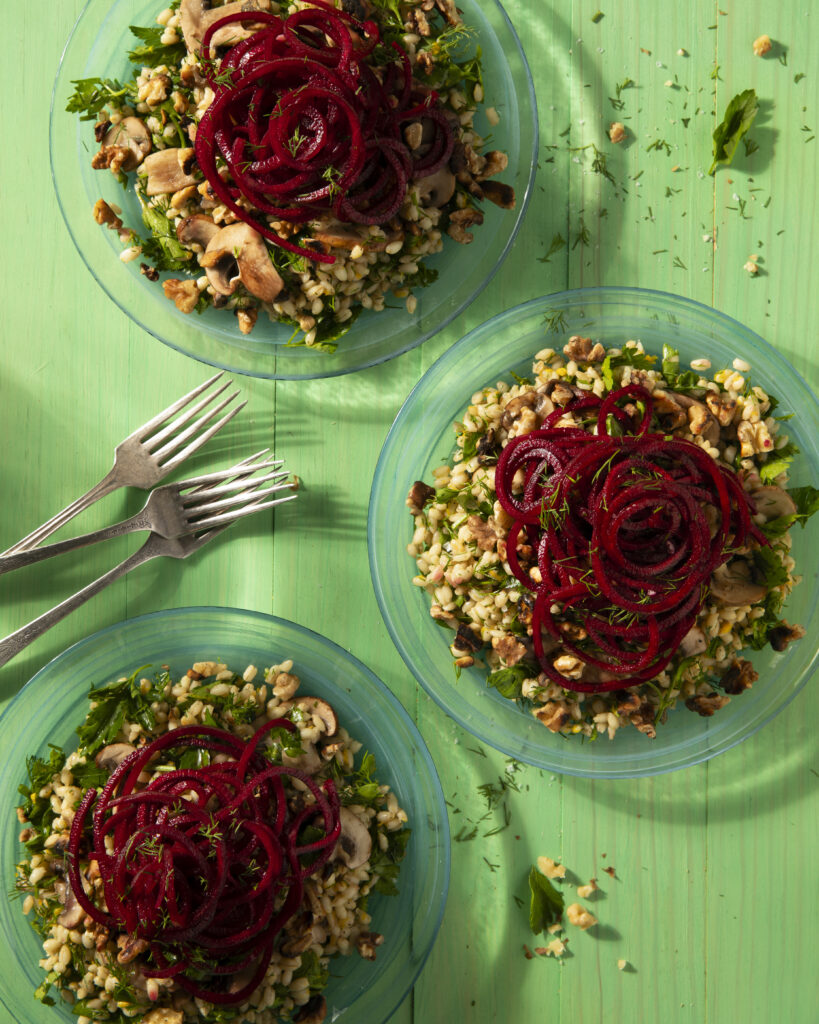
x: 463, y: 535
x: 309, y: 198
x: 180, y: 739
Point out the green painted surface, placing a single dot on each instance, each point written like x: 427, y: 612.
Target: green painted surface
x: 714, y: 897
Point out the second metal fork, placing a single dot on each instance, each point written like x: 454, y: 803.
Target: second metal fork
x: 176, y: 509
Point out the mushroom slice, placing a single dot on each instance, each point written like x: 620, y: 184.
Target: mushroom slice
x: 308, y: 761
x: 694, y: 642
x: 169, y: 170
x: 436, y: 189
x: 113, y: 755
x: 355, y: 842
x: 314, y: 706
x: 314, y: 1011
x: 197, y: 229
x: 196, y: 17
x: 237, y: 253
x: 773, y: 502
x: 132, y: 134
x: 731, y: 583
x: 73, y: 913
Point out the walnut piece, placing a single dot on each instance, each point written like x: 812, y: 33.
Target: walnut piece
x: 103, y: 214
x: 510, y: 649
x: 184, y: 294
x: 578, y: 915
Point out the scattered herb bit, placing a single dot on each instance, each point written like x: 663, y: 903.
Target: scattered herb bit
x: 739, y: 116
x: 806, y: 500
x: 679, y: 263
x: 597, y: 16
x: 797, y: 78
x: 558, y: 243
x: 750, y: 146
x: 659, y: 144
x: 582, y: 237
x: 555, y: 320
x: 546, y: 906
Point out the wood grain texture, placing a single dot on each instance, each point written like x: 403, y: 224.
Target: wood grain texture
x: 713, y: 900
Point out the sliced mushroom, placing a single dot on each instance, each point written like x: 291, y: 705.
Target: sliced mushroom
x: 237, y: 253
x: 197, y: 229
x: 73, y: 913
x: 132, y: 134
x: 113, y: 755
x: 773, y: 502
x: 168, y: 170
x: 436, y: 189
x: 314, y: 706
x: 308, y: 761
x: 732, y: 584
x: 538, y: 401
x: 314, y: 1011
x: 355, y: 843
x: 499, y: 194
x: 694, y: 642
x: 196, y: 17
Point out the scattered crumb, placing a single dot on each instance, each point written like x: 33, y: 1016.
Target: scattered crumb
x: 675, y: 168
x: 682, y: 53
x: 528, y: 953
x: 546, y: 866
x: 669, y: 84
x: 579, y: 916
x: 762, y: 45
x: 751, y: 266
x: 622, y: 965
x: 610, y: 870
x: 553, y: 929
x: 584, y: 891
x: 617, y: 131
x: 555, y: 948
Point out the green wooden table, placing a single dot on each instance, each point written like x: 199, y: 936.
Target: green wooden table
x: 713, y: 903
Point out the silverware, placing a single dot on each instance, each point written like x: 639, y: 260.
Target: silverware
x: 170, y: 512
x: 148, y: 454
x: 154, y: 547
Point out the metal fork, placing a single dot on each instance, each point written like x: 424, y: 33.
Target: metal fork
x: 154, y: 547
x: 149, y: 453
x: 169, y: 512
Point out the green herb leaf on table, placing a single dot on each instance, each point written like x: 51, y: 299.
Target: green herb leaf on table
x: 739, y: 116
x: 546, y: 906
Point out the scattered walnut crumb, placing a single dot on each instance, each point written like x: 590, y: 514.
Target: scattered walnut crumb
x: 528, y: 953
x: 579, y: 916
x: 551, y: 869
x: 751, y: 267
x: 617, y: 131
x: 622, y: 965
x: 609, y: 870
x: 584, y: 891
x: 762, y: 45
x: 553, y: 929
x: 555, y: 948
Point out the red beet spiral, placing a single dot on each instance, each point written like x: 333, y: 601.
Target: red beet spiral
x: 627, y: 528
x: 204, y: 865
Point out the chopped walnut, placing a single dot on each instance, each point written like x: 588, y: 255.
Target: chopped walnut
x: 579, y: 916
x: 550, y: 868
x: 707, y: 704
x: 631, y: 702
x: 584, y: 891
x: 722, y: 406
x: 466, y: 640
x: 449, y: 11
x: 483, y: 532
x: 617, y: 131
x: 740, y: 676
x: 419, y: 495
x: 419, y: 23
x: 578, y: 348
x: 246, y: 319
x: 150, y: 272
x: 554, y: 715
x: 643, y: 719
x: 129, y: 948
x: 780, y: 636
x: 103, y: 214
x: 366, y: 944
x: 555, y: 948
x: 460, y: 221
x: 510, y: 649
x: 112, y: 157
x: 495, y: 163
x: 499, y: 194
x: 184, y: 294
x: 762, y: 45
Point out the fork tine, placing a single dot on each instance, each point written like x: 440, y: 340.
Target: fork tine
x: 180, y: 438
x: 241, y: 469
x: 250, y: 496
x: 151, y: 443
x: 199, y: 497
x: 180, y: 403
x: 197, y: 442
x: 226, y: 518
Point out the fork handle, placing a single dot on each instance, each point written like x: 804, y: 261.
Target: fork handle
x: 15, y: 642
x: 105, y: 486
x: 140, y: 521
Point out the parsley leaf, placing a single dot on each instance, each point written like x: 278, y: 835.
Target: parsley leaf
x: 546, y: 905
x: 154, y: 51
x: 806, y: 500
x: 92, y: 94
x: 163, y: 249
x: 778, y: 462
x: 739, y: 116
x: 769, y: 567
x: 113, y: 703
x: 508, y: 681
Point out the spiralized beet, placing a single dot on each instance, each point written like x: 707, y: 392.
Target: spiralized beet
x: 308, y: 116
x: 628, y: 528
x: 205, y: 865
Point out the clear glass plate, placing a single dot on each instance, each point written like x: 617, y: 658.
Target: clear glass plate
x: 98, y: 47
x: 422, y: 438
x: 50, y: 707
